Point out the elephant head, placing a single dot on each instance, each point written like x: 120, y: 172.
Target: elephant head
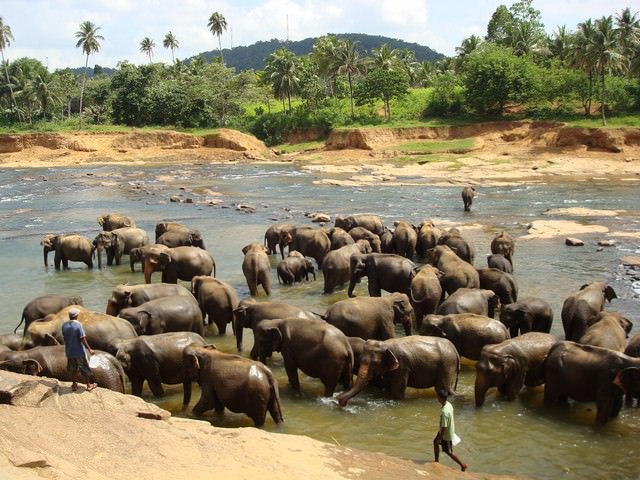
x: 402, y: 310
x: 196, y: 240
x: 155, y: 260
x: 433, y: 325
x: 628, y: 380
x: 267, y: 341
x: 139, y: 318
x: 608, y: 292
x: 192, y: 357
x: 49, y: 244
x: 493, y: 370
x: 120, y: 298
x: 309, y: 268
x: 105, y: 240
x: 359, y: 267
x: 241, y: 320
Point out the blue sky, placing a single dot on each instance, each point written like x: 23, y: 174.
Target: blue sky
x: 45, y: 29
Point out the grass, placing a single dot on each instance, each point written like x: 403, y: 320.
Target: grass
x: 298, y: 147
x: 435, y: 146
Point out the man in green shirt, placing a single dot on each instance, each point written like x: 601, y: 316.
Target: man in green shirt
x: 446, y: 432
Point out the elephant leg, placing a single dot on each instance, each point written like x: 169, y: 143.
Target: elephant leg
x: 292, y: 374
x: 254, y: 353
x: 155, y: 382
x: 221, y: 323
x: 65, y: 263
x: 218, y: 406
x: 397, y: 385
x: 186, y: 390
x: 136, y: 386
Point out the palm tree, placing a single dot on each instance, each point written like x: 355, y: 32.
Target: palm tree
x: 89, y: 40
x: 407, y: 60
x: 349, y: 63
x: 606, y: 54
x: 581, y: 60
x: 560, y: 44
x: 283, y: 67
x: 629, y: 33
x: 384, y: 58
x: 44, y: 91
x: 146, y: 46
x: 217, y: 24
x: 170, y: 41
x: 6, y: 37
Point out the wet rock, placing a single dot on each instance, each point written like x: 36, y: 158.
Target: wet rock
x: 175, y: 199
x: 188, y: 200
x: 246, y: 208
x: 606, y: 243
x: 631, y: 261
x: 573, y: 242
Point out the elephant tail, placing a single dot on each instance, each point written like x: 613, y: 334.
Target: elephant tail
x: 15, y: 330
x: 274, y: 401
x: 455, y: 386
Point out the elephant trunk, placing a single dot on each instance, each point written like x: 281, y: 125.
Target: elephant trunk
x: 46, y: 251
x: 99, y: 248
x: 148, y: 270
x: 362, y: 381
x: 407, y: 327
x: 480, y: 388
x: 352, y: 285
x: 239, y: 328
x: 112, y: 308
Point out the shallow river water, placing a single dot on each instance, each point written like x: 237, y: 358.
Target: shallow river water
x: 520, y: 438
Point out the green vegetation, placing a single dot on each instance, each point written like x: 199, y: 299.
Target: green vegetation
x: 298, y: 147
x: 434, y: 146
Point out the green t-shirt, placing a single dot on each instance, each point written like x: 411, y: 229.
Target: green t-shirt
x: 446, y: 421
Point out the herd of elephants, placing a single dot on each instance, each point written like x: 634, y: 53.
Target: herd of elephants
x: 446, y: 307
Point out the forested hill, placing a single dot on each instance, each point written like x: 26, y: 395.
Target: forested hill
x: 252, y: 57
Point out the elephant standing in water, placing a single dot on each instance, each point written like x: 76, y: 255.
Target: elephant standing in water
x: 336, y: 266
x: 607, y: 330
x: 469, y: 300
x: 294, y: 268
x: 68, y: 247
x: 405, y: 239
x: 373, y: 223
x: 113, y: 221
x: 256, y: 268
x: 467, y: 197
x: 428, y: 235
x: 42, y: 306
x: 180, y: 263
x: 385, y: 271
x: 426, y: 292
x: 456, y: 273
x: 458, y: 244
x: 119, y: 242
x: 177, y: 313
x: 581, y: 307
x: 123, y: 296
x: 530, y: 314
x: 504, y: 245
x: 217, y: 299
x: 174, y: 239
x: 163, y: 227
x: 310, y: 242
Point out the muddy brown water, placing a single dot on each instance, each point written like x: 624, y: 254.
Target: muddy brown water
x: 521, y: 437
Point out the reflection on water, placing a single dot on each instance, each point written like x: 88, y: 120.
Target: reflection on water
x: 520, y: 437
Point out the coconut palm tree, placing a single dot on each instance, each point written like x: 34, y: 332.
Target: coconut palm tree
x: 283, y: 68
x: 217, y: 24
x: 170, y: 41
x: 349, y: 62
x: 629, y: 34
x: 580, y: 59
x: 44, y: 90
x: 6, y: 37
x: 146, y: 46
x: 560, y: 43
x: 384, y: 57
x: 89, y: 40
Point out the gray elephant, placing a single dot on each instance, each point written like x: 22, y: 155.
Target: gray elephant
x: 373, y: 223
x: 42, y: 306
x: 177, y: 313
x: 361, y: 233
x: 503, y: 284
x: 217, y: 300
x: 119, y: 242
x: 317, y: 348
x: 386, y: 241
x: 180, y: 263
x: 607, y: 330
x: 512, y: 364
x: 579, y: 308
x: 163, y: 227
x: 136, y: 255
x: 428, y: 235
x: 310, y: 242
x: 293, y: 268
x: 414, y: 361
x: 504, y: 245
x: 456, y: 273
x: 373, y: 317
x: 467, y: 197
x: 530, y: 314
x: 113, y: 221
x: 187, y: 238
x: 157, y: 359
x: 426, y: 292
x: 233, y: 382
x: 256, y: 268
x: 497, y: 260
x: 633, y: 350
x: 68, y: 247
x: 339, y: 238
x: 469, y: 300
x: 590, y: 374
x: 458, y: 244
x: 405, y: 239
x: 385, y: 271
x: 12, y: 341
x: 336, y: 266
x: 123, y: 296
x: 51, y: 361
x: 467, y: 331
x: 272, y: 236
x: 287, y: 233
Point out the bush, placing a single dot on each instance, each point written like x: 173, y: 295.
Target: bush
x: 447, y: 96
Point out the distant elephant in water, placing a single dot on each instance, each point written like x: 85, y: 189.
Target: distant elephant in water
x: 217, y: 300
x: 504, y: 245
x: 361, y: 233
x: 467, y: 197
x: 42, y: 306
x: 310, y: 242
x: 581, y: 307
x: 530, y: 314
x: 499, y: 261
x: 180, y: 263
x: 272, y: 237
x: 256, y: 268
x: 68, y: 247
x: 385, y: 271
x: 119, y: 242
x: 163, y: 227
x: 405, y: 239
x: 181, y: 239
x: 339, y: 238
x: 373, y: 223
x: 426, y: 292
x: 136, y: 255
x: 336, y: 266
x: 293, y: 268
x: 112, y: 221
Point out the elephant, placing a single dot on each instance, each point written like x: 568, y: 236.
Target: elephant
x: 339, y: 238
x: 113, y: 221
x: 371, y: 318
x: 386, y: 241
x: 293, y: 269
x: 272, y: 236
x: 456, y: 273
x: 504, y: 245
x: 405, y: 239
x: 164, y: 227
x: 179, y: 263
x: 310, y: 242
x: 177, y: 313
x: 123, y: 296
x: 336, y: 266
x: 250, y: 313
x: 317, y: 348
x: 503, y: 284
x: 428, y: 235
x: 529, y: 314
x: 157, y: 359
x: 12, y: 341
x: 136, y: 255
x: 68, y: 247
x: 187, y: 238
x: 385, y: 271
x: 42, y: 306
x: 426, y: 292
x: 231, y: 381
x: 458, y: 245
x: 256, y: 268
x: 100, y: 329
x: 467, y: 197
x: 414, y: 361
x: 373, y: 223
x: 607, y: 330
x: 512, y: 364
x: 586, y: 374
x: 579, y: 308
x: 287, y: 233
x: 361, y: 233
x: 467, y: 331
x: 497, y: 260
x: 217, y: 300
x: 51, y: 361
x: 469, y: 300
x: 633, y: 350
x: 119, y: 242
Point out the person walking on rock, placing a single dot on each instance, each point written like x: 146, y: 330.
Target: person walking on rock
x: 446, y: 432
x: 76, y: 347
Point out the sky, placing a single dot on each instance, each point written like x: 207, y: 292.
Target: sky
x: 45, y: 29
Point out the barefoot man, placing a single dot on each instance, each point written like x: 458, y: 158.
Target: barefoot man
x: 446, y: 431
x: 75, y: 342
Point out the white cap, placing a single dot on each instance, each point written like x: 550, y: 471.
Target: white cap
x: 74, y: 312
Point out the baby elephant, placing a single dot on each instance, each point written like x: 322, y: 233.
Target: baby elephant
x: 256, y: 268
x: 467, y: 197
x: 294, y: 268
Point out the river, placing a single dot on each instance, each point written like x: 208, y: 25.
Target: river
x: 518, y: 438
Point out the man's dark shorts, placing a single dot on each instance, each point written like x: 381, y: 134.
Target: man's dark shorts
x: 447, y: 446
x: 79, y: 365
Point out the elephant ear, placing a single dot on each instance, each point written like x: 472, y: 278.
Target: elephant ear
x: 389, y: 361
x: 628, y: 380
x: 144, y: 319
x: 276, y: 339
x: 32, y: 367
x: 49, y: 340
x: 609, y: 293
x: 164, y: 258
x: 508, y: 365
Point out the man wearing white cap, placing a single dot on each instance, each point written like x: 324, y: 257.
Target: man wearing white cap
x: 75, y: 343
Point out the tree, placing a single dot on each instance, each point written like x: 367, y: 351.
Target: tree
x: 146, y: 47
x: 217, y: 24
x: 581, y: 60
x: 282, y: 67
x: 348, y: 62
x: 560, y: 43
x: 45, y: 92
x: 407, y: 60
x: 384, y: 85
x: 499, y: 26
x: 170, y: 41
x: 628, y: 30
x: 6, y: 37
x: 89, y: 41
x: 384, y: 57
